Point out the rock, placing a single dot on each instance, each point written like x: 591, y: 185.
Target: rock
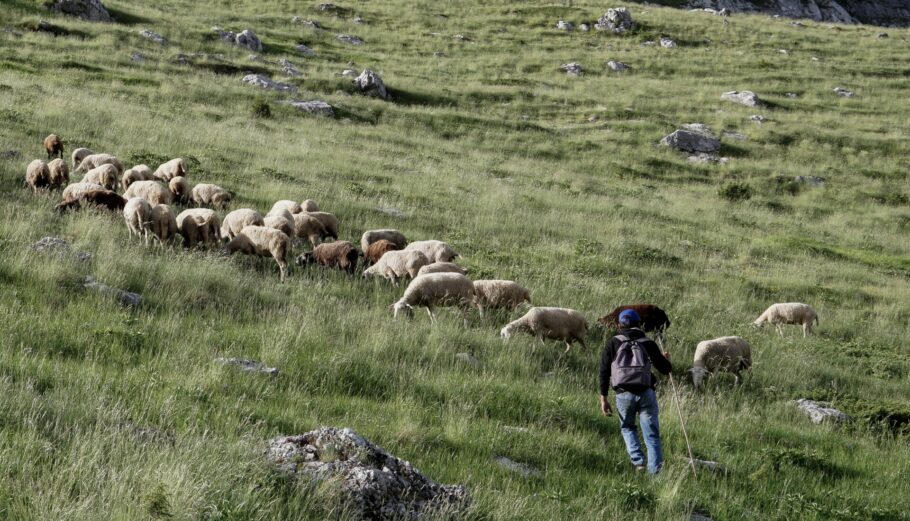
x: 565, y: 26
x: 815, y: 58
x: 617, y: 66
x: 182, y: 59
x: 469, y: 359
x: 584, y: 27
x: 882, y: 35
x: 592, y: 119
x: 264, y: 82
x: 784, y: 52
x: 249, y: 366
x: 733, y: 135
x: 692, y: 141
x: 698, y: 127
x: 744, y: 97
x: 288, y: 68
x: 256, y: 58
x: 137, y: 57
x: 791, y: 95
x: 704, y: 158
x: 311, y: 24
x: 699, y: 517
x: 648, y: 43
x: 58, y: 246
x: 392, y: 212
x: 617, y: 20
x: 295, y: 19
x: 811, y: 180
x: 572, y: 69
x: 10, y: 154
x: 246, y: 38
x: 526, y: 471
x: 713, y: 466
x: 371, y: 84
x: 667, y: 42
x: 327, y: 7
x: 439, y: 54
x: 797, y: 24
x: 349, y: 73
x: 461, y: 38
x: 315, y: 107
x: 842, y: 92
x: 225, y: 36
x: 758, y: 118
x: 819, y: 412
x: 358, y: 20
x: 91, y: 10
x: 347, y: 38
x: 155, y: 37
x: 372, y: 483
x: 304, y: 50
x: 125, y: 298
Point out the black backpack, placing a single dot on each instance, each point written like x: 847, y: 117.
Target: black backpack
x: 631, y: 366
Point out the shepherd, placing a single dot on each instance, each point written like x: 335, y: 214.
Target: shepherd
x: 625, y: 365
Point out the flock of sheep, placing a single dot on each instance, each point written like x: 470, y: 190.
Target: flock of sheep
x: 435, y: 281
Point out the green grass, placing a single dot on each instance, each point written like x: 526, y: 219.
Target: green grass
x: 111, y: 414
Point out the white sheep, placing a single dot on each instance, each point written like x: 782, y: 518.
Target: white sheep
x: 499, y: 294
x: 105, y: 175
x: 96, y: 160
x: 79, y: 154
x: 397, y: 263
x: 138, y: 216
x: 280, y: 223
x: 309, y: 205
x: 329, y: 221
x: 393, y: 236
x: 291, y: 206
x: 77, y: 190
x: 441, y: 267
x: 238, y: 220
x: 174, y: 168
x: 211, y: 195
x: 308, y: 227
x: 729, y: 354
x: 180, y: 189
x: 789, y: 313
x: 137, y: 173
x: 164, y: 224
x: 152, y: 191
x: 437, y: 290
x: 263, y: 242
x: 567, y: 325
x: 37, y: 175
x: 199, y: 225
x: 436, y: 251
x: 60, y: 173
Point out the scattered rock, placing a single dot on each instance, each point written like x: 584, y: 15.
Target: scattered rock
x: 248, y: 39
x: 349, y: 73
x: 371, y: 84
x: 374, y: 484
x: 648, y: 43
x: 347, y: 38
x: 688, y: 140
x: 327, y: 7
x: 182, y: 59
x: 311, y: 24
x: 617, y: 66
x: 842, y: 92
x: 469, y: 359
x: 815, y: 58
x: 821, y: 411
x: 733, y: 135
x: 392, y: 212
x: 791, y: 95
x: 667, y: 42
x: 699, y: 517
x: 758, y: 118
x: 784, y: 52
x: 288, y: 68
x: 461, y: 38
x: 155, y: 37
x: 225, y: 36
x: 565, y: 26
x: 249, y: 366
x: 704, y: 158
x: 264, y: 82
x: 713, y: 466
x: 358, y: 20
x: 592, y: 119
x: 572, y: 69
x: 125, y: 298
x: 304, y: 50
x: 744, y: 97
x: 698, y: 127
x: 296, y: 19
x: 91, y: 10
x: 137, y: 57
x: 617, y: 20
x: 811, y: 180
x: 58, y: 246
x: 315, y: 107
x: 439, y: 54
x: 526, y: 471
x: 256, y: 58
x: 797, y: 24
x: 584, y: 28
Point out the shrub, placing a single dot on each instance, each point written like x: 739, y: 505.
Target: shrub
x: 735, y: 192
x: 260, y: 108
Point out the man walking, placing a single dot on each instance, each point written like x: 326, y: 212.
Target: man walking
x: 625, y: 365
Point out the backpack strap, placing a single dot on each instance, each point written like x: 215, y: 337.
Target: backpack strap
x: 623, y: 338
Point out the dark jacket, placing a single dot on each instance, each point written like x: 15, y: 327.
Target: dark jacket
x: 606, y: 360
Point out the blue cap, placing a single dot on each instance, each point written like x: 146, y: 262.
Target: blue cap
x: 629, y: 317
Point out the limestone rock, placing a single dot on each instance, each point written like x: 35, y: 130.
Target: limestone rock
x: 692, y: 141
x: 246, y: 38
x: 617, y: 20
x: 371, y: 84
x: 315, y: 107
x: 327, y: 7
x: 584, y: 27
x: 468, y: 359
x: 347, y: 38
x: 91, y: 10
x: 153, y: 36
x: 358, y: 20
x: 565, y: 26
x: 758, y: 118
x: 304, y: 50
x: 125, y: 298
x: 617, y: 66
x: 572, y: 69
x: 842, y: 92
x: 526, y: 471
x: 288, y: 68
x: 667, y: 42
x: 744, y: 97
x: 819, y: 412
x: 391, y: 212
x: 264, y: 82
x: 811, y: 180
x: 249, y: 366
x: 58, y: 246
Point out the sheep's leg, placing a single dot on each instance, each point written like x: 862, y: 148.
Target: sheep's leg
x: 432, y: 312
x: 780, y: 330
x: 464, y: 313
x: 568, y: 346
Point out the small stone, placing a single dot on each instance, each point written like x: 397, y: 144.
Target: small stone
x: 592, y: 119
x: 349, y: 73
x: 515, y: 430
x: 617, y: 66
x: 526, y: 471
x: 572, y: 69
x: 758, y: 118
x: 648, y: 43
x: 315, y: 107
x: 703, y: 158
x: 745, y: 97
x: 295, y: 20
x: 255, y: 58
x: 783, y: 51
x: 667, y: 42
x: 392, y: 212
x: 565, y: 26
x: 327, y: 7
x: 137, y: 57
x: 304, y: 50
x: 811, y: 180
x: 584, y: 27
x: 699, y: 517
x: 469, y: 359
x: 10, y: 154
x: 288, y: 68
x: 842, y: 92
x: 819, y: 412
x: 439, y: 54
x: 349, y: 39
x: 791, y: 95
x: 462, y: 38
x: 815, y: 59
x: 182, y: 59
x: 225, y: 36
x: 797, y: 24
x: 264, y: 82
x: 249, y: 366
x: 371, y: 84
x: 358, y: 20
x: 155, y: 37
x: 733, y: 135
x: 125, y: 298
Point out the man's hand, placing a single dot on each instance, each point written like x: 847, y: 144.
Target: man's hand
x: 605, y: 406
x: 667, y: 355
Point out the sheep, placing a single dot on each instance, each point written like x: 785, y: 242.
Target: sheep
x: 180, y: 189
x: 279, y: 223
x: 729, y: 354
x: 137, y: 173
x: 789, y: 313
x: 54, y: 146
x: 264, y: 242
x: 308, y: 227
x: 376, y: 250
x: 105, y: 175
x: 77, y: 190
x: 393, y: 236
x: 79, y: 154
x: 436, y: 251
x: 212, y: 195
x: 652, y: 317
x: 309, y: 205
x: 60, y: 173
x: 291, y: 206
x: 164, y: 224
x: 96, y: 160
x: 198, y: 225
x: 174, y: 168
x: 104, y: 198
x: 441, y: 267
x: 37, y: 175
x: 499, y: 294
x: 138, y: 216
x: 152, y: 191
x: 329, y: 221
x: 237, y: 220
x: 397, y: 263
x: 567, y: 325
x: 339, y: 254
x: 437, y: 289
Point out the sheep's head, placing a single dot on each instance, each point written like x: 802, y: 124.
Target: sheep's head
x: 759, y: 322
x: 698, y: 376
x: 401, y: 307
x: 505, y: 333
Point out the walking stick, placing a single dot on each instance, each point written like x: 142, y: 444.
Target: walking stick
x: 682, y: 422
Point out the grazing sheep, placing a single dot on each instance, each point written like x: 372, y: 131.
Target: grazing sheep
x: 237, y: 220
x: 397, y: 263
x: 37, y: 175
x: 152, y: 191
x: 308, y: 227
x: 180, y: 188
x: 309, y: 205
x: 104, y: 198
x: 437, y: 289
x: 499, y: 294
x: 96, y: 160
x: 174, y: 168
x: 393, y: 236
x: 137, y: 173
x: 54, y: 146
x: 60, y: 173
x: 436, y: 251
x: 339, y: 254
x: 138, y: 216
x: 77, y: 190
x: 567, y: 325
x: 329, y: 221
x: 105, y: 175
x: 79, y: 154
x: 652, y: 317
x: 376, y: 250
x: 442, y: 267
x: 729, y: 354
x: 164, y: 224
x: 198, y: 225
x: 279, y: 223
x: 264, y: 242
x: 789, y: 313
x: 211, y: 195
x: 291, y: 206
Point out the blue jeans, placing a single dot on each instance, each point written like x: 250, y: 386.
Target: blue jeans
x: 644, y: 404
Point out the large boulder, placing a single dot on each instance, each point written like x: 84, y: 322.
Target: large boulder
x: 695, y: 139
x: 371, y: 84
x: 617, y: 20
x: 247, y: 38
x: 373, y: 484
x: 743, y: 97
x: 91, y: 10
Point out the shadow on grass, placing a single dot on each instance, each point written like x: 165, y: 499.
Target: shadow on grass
x: 413, y: 98
x: 125, y: 18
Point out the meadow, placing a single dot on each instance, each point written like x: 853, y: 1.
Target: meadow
x: 553, y: 181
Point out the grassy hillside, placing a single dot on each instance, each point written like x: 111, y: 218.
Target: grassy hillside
x: 112, y: 414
